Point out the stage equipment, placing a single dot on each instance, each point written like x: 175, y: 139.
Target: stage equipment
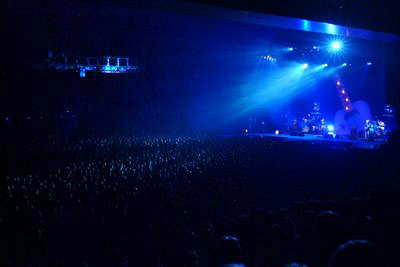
x: 317, y: 106
x: 353, y: 133
x: 83, y: 65
x: 268, y: 57
x: 343, y: 95
x: 389, y: 117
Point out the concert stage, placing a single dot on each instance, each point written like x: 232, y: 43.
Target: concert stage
x: 318, y: 139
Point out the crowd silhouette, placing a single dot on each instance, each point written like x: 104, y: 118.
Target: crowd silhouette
x: 200, y: 201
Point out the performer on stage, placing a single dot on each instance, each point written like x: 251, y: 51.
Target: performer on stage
x: 306, y: 125
x: 369, y: 129
x: 381, y: 127
x: 294, y: 125
x: 322, y: 127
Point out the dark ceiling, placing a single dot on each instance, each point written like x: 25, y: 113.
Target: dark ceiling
x: 377, y: 15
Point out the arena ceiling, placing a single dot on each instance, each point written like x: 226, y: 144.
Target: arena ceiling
x: 376, y: 15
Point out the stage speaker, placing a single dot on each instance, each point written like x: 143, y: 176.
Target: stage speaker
x: 353, y: 133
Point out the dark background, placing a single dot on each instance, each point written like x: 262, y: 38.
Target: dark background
x: 192, y: 68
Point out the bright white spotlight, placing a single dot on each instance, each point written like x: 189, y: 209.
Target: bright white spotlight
x: 324, y: 65
x: 369, y: 63
x: 344, y: 64
x: 290, y: 48
x: 336, y: 45
x: 331, y: 128
x: 304, y: 66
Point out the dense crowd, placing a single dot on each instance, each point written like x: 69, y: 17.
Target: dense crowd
x: 184, y: 201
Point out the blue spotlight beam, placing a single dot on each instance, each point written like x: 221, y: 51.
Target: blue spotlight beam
x: 276, y: 88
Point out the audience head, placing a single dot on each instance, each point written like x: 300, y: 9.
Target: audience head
x: 328, y: 224
x: 357, y: 253
x: 229, y: 250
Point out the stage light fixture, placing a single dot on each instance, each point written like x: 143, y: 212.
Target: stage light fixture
x: 336, y: 45
x: 347, y: 108
x: 304, y: 66
x: 324, y: 65
x: 344, y: 64
x: 343, y: 91
x: 290, y: 48
x: 347, y: 99
x: 338, y: 83
x: 331, y: 128
x: 369, y: 63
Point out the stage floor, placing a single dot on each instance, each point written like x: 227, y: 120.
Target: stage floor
x: 358, y: 143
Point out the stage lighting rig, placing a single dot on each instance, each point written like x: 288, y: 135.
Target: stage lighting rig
x: 83, y: 65
x: 268, y: 57
x: 336, y: 46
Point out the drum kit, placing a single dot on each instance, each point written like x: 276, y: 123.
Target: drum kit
x: 375, y: 128
x: 312, y: 123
